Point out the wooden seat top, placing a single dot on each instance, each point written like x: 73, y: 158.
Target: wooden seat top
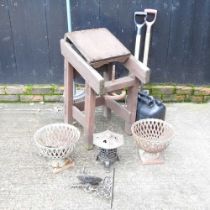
x: 98, y: 46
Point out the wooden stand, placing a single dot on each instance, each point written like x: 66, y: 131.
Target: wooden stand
x: 86, y: 51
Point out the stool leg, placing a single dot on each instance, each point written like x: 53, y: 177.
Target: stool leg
x: 90, y: 98
x: 132, y: 105
x: 108, y: 76
x: 68, y: 92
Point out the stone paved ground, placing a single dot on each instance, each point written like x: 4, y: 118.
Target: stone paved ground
x: 183, y: 182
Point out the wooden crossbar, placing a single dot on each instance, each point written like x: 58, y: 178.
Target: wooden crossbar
x: 118, y: 84
x: 78, y: 115
x: 117, y: 108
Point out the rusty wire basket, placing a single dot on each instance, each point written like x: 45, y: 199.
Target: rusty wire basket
x: 152, y: 135
x: 56, y: 141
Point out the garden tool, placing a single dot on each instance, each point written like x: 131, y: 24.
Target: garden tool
x: 147, y: 106
x: 104, y: 188
x: 139, y: 20
x: 150, y: 20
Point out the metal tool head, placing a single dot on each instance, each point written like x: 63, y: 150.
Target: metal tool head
x: 151, y: 16
x: 86, y: 179
x: 140, y: 18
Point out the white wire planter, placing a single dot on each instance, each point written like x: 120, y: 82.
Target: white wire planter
x: 152, y: 137
x: 57, y: 142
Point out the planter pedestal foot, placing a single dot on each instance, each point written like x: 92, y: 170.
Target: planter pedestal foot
x: 151, y: 158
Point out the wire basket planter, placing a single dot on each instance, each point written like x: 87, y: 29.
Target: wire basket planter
x: 152, y: 137
x: 57, y: 142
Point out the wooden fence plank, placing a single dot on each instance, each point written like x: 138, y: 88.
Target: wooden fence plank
x: 160, y: 37
x: 30, y: 40
x: 180, y: 42
x: 85, y: 14
x: 197, y: 64
x: 117, y: 108
x: 56, y: 27
x: 7, y: 55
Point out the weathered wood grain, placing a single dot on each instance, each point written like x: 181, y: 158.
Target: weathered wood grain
x: 56, y: 24
x: 120, y: 83
x: 79, y: 116
x: 8, y: 71
x: 117, y: 108
x: 90, y: 97
x: 91, y: 76
x: 29, y: 30
x: 68, y: 92
x: 81, y: 105
x: 103, y: 44
x: 108, y: 77
x: 137, y: 68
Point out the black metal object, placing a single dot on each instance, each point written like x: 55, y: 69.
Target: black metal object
x: 87, y: 179
x: 104, y: 188
x: 107, y: 156
x: 148, y: 107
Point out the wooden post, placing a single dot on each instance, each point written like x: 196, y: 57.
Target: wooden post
x: 108, y: 77
x: 90, y: 100
x: 68, y: 92
x: 91, y: 76
x: 132, y: 105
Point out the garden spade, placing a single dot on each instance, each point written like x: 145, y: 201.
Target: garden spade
x: 139, y: 20
x: 150, y: 20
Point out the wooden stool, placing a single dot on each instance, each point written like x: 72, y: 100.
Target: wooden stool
x: 85, y: 52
